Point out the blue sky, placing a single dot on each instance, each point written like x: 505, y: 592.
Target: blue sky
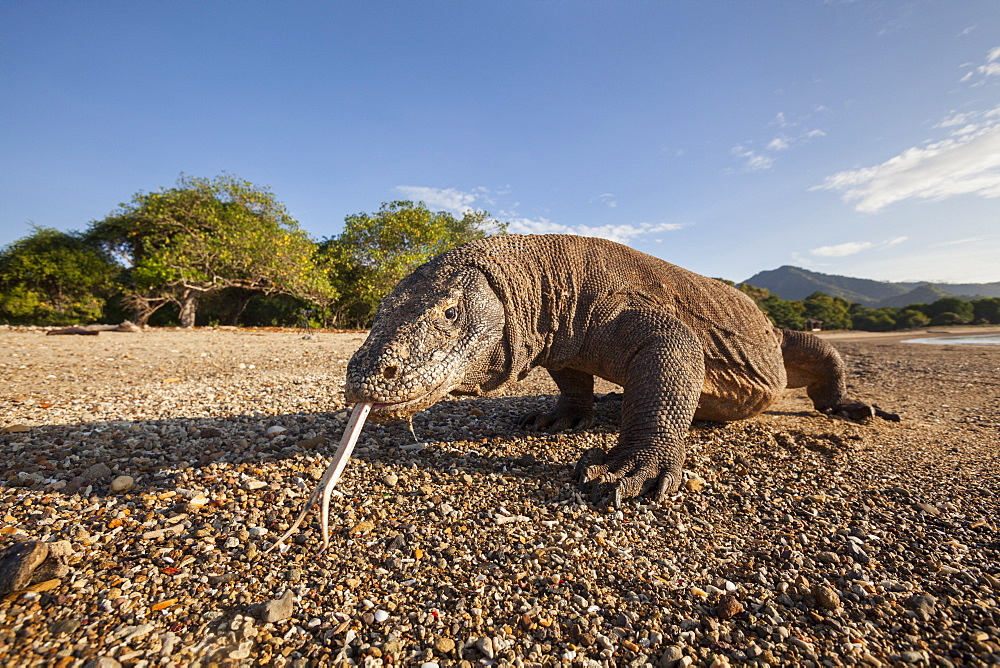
x: 855, y: 138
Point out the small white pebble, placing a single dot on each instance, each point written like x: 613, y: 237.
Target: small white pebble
x: 381, y: 616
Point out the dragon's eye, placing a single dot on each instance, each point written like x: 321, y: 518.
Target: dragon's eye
x: 451, y: 313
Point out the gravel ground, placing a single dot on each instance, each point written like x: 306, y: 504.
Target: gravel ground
x: 153, y: 470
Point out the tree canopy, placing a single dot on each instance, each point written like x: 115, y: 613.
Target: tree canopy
x: 205, y: 235
x: 54, y: 278
x: 375, y: 251
x: 227, y: 251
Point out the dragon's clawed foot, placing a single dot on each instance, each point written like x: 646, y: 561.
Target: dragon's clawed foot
x: 860, y: 411
x: 611, y: 480
x: 557, y: 420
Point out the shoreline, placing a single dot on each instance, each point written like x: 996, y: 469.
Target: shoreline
x: 921, y: 333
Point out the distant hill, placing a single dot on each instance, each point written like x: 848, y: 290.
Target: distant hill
x: 796, y: 283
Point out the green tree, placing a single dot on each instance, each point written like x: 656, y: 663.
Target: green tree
x: 54, y: 278
x: 873, y: 320
x: 375, y: 251
x: 987, y: 310
x: 752, y: 291
x: 205, y: 235
x: 833, y: 311
x: 783, y: 313
x: 950, y: 311
x: 911, y: 318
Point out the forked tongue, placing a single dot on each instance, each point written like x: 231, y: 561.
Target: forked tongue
x: 330, y: 477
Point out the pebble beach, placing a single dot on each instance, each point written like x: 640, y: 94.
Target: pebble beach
x: 143, y: 476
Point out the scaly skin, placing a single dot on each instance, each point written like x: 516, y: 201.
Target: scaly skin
x: 682, y: 346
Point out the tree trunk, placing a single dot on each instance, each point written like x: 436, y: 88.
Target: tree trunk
x: 241, y: 306
x: 189, y: 307
x: 143, y: 309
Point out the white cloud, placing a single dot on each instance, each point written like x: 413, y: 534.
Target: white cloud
x: 755, y: 162
x: 447, y: 199
x: 840, y: 250
x: 779, y: 144
x: 793, y: 133
x: 620, y: 233
x: 990, y: 68
x: 959, y: 242
x: 966, y: 163
x: 852, y: 247
x: 606, y: 198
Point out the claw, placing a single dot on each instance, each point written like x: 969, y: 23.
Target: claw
x: 555, y: 421
x: 615, y: 498
x: 590, y: 458
x: 891, y: 417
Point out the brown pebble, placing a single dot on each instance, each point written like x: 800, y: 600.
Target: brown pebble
x: 728, y: 607
x: 444, y: 645
x: 825, y: 597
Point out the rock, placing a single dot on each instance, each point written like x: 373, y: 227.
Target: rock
x: 275, y: 431
x: 64, y: 626
x: 15, y: 429
x: 694, y: 484
x: 671, y: 656
x: 485, y: 647
x: 19, y: 563
x: 923, y: 605
x: 444, y: 645
x: 122, y: 483
x: 98, y: 471
x: 825, y: 597
x: 927, y: 508
x: 103, y: 661
x: 278, y: 609
x: 24, y: 564
x: 827, y: 557
x: 390, y: 479
x: 728, y: 607
x: 858, y: 553
x: 381, y: 616
x: 209, y: 432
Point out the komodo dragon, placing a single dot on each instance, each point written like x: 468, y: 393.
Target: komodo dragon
x: 682, y: 346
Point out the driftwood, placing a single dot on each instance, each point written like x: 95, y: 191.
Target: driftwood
x: 75, y: 329
x: 94, y: 330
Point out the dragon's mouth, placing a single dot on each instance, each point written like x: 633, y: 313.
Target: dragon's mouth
x: 401, y: 410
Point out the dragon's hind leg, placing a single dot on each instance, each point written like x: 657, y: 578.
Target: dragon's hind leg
x: 814, y: 364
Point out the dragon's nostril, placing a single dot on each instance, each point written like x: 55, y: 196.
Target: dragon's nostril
x: 389, y: 372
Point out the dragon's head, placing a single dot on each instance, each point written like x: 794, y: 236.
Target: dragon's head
x: 432, y: 335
